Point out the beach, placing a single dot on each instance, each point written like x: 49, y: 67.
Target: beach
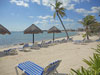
x: 70, y: 53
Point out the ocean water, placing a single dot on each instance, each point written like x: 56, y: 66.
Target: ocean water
x: 20, y: 37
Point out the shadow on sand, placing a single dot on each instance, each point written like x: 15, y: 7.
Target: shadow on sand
x: 2, y: 54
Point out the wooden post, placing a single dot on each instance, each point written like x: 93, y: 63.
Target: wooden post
x: 53, y: 37
x: 33, y: 38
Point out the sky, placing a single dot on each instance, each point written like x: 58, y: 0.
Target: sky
x: 17, y: 15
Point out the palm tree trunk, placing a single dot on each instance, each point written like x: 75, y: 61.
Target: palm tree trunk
x: 87, y: 33
x: 87, y: 37
x: 63, y: 26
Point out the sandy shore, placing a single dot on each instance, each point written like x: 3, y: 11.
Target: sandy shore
x: 71, y: 55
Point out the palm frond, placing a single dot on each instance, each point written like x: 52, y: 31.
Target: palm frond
x: 54, y: 15
x: 82, y: 22
x: 62, y: 14
x: 62, y: 9
x: 52, y: 5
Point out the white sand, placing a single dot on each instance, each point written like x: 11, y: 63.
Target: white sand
x: 71, y: 55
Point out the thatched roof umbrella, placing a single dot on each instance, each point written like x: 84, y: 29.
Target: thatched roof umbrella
x: 54, y: 30
x: 33, y: 29
x: 3, y: 30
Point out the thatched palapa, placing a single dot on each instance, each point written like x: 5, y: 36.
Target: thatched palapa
x: 54, y: 30
x: 3, y: 30
x: 33, y: 29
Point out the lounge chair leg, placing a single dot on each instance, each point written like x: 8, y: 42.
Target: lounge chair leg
x: 16, y: 71
x: 56, y: 71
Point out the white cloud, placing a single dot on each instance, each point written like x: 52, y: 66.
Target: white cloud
x: 36, y: 22
x: 86, y: 12
x: 31, y: 17
x: 70, y: 7
x: 78, y: 1
x: 95, y: 9
x: 41, y: 22
x: 44, y: 21
x: 48, y: 2
x: 53, y: 20
x: 45, y: 17
x: 68, y: 20
x: 36, y: 1
x: 66, y: 3
x: 56, y: 24
x: 81, y: 10
x: 20, y: 3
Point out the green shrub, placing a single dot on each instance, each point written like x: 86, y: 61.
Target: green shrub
x: 82, y: 71
x: 93, y: 65
x: 97, y: 50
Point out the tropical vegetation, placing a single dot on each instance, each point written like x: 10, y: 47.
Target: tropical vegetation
x: 88, y: 22
x: 60, y: 12
x: 93, y: 65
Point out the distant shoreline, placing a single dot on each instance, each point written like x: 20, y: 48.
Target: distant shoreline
x: 6, y: 46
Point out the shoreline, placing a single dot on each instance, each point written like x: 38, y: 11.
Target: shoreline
x: 19, y: 44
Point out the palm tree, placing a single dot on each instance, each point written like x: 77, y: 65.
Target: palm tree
x: 60, y: 12
x: 87, y: 22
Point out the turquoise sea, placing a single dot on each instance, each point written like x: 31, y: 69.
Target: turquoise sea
x: 20, y: 37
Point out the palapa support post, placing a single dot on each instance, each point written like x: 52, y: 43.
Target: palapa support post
x: 33, y: 38
x: 53, y: 37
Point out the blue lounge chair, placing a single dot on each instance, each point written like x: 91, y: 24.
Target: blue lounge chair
x: 12, y: 51
x: 44, y: 44
x: 35, y: 46
x: 31, y: 68
x: 7, y: 51
x: 24, y: 48
x: 26, y: 45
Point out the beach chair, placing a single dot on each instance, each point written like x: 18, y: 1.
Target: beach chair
x: 70, y: 39
x: 63, y: 41
x: 35, y: 46
x: 98, y: 40
x: 6, y: 51
x: 24, y: 48
x: 31, y: 68
x: 55, y: 42
x: 50, y: 43
x: 26, y: 45
x: 43, y: 44
x: 11, y: 51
